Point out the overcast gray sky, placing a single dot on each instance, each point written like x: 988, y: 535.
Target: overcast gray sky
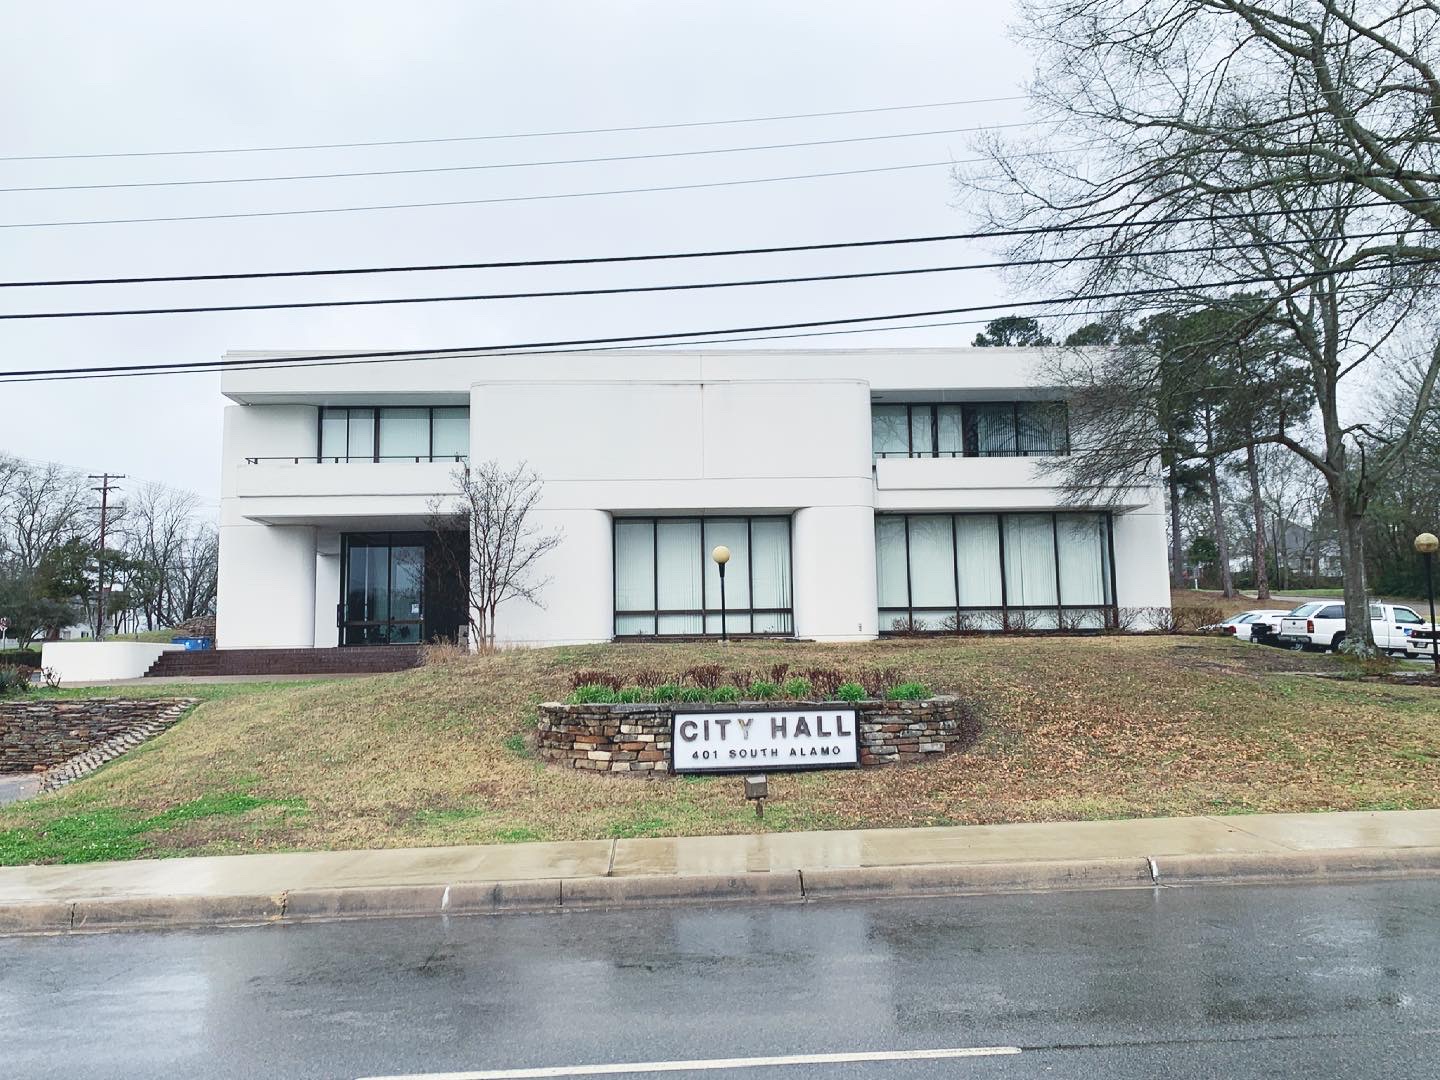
x: 97, y: 77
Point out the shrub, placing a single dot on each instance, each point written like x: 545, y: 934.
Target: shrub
x: 797, y: 688
x: 14, y: 680
x: 667, y: 692
x: 630, y: 695
x: 778, y: 673
x: 877, y: 680
x: 592, y: 694
x: 706, y: 675
x: 763, y: 690
x: 694, y: 694
x: 1191, y: 617
x: 850, y: 691
x: 908, y: 691
x: 580, y: 679
x: 21, y: 658
x: 725, y: 693
x: 648, y: 677
x: 825, y: 681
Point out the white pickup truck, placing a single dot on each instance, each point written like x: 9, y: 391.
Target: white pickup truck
x: 1321, y: 625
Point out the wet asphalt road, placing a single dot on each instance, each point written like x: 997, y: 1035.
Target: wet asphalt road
x: 1298, y: 981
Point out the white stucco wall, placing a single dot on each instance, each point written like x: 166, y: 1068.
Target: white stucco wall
x: 101, y: 661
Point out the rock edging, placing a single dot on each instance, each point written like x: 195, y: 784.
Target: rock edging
x: 634, y: 740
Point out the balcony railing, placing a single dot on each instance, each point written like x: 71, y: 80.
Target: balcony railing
x: 968, y: 454
x: 315, y: 459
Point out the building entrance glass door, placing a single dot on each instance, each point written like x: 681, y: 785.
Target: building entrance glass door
x: 383, y: 602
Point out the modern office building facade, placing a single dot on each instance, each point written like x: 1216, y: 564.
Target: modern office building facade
x: 860, y: 492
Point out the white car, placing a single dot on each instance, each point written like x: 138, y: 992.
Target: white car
x: 1321, y: 625
x: 1240, y: 626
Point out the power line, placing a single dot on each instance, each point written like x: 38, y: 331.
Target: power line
x: 515, y: 135
x: 481, y: 202
x: 683, y: 287
x: 519, y: 164
x: 411, y: 355
x: 984, y: 234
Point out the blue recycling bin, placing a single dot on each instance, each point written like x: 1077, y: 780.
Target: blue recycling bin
x: 194, y: 644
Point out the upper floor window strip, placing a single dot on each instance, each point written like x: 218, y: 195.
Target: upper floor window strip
x: 393, y: 433
x: 970, y: 429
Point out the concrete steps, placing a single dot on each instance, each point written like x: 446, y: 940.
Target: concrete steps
x: 352, y: 660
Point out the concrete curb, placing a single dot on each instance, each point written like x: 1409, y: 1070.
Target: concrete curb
x: 555, y: 895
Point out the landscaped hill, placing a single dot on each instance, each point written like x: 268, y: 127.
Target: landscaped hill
x: 1073, y: 728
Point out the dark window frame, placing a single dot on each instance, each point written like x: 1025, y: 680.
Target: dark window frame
x: 966, y: 449
x: 1108, y: 611
x: 376, y: 413
x: 706, y: 609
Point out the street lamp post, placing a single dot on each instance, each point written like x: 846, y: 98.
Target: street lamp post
x: 1427, y: 544
x: 721, y: 555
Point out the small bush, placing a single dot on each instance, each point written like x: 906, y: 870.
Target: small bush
x: 778, y: 673
x: 825, y: 681
x: 14, y: 680
x: 725, y: 693
x: 798, y: 688
x: 21, y: 658
x: 667, y: 692
x: 592, y: 694
x: 908, y: 691
x: 850, y: 691
x: 648, y: 678
x: 763, y: 690
x: 1191, y: 617
x: 694, y: 694
x: 589, y: 677
x: 706, y: 675
x: 630, y: 695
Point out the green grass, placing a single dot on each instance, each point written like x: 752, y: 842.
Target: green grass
x: 106, y: 833
x: 1074, y: 728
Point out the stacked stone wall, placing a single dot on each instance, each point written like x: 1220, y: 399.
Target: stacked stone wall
x: 634, y: 740
x: 37, y: 735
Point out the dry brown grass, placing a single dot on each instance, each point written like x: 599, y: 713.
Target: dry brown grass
x: 1074, y: 728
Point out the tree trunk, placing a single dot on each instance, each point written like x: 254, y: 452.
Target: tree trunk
x: 1222, y: 541
x: 1350, y: 531
x: 1177, y: 546
x: 1257, y: 505
x: 1282, y: 553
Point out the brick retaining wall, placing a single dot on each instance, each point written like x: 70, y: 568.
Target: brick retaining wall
x: 634, y: 740
x: 42, y: 734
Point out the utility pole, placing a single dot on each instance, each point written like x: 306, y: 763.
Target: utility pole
x: 107, y: 484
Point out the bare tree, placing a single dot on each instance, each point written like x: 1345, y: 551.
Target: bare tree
x: 1288, y: 147
x: 494, y: 505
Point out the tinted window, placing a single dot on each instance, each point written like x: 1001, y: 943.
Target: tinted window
x: 1405, y: 615
x: 1334, y: 611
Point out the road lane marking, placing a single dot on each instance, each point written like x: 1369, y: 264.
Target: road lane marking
x: 704, y: 1064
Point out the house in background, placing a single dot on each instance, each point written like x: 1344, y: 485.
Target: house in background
x: 859, y: 492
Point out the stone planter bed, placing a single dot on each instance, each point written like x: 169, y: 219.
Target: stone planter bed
x: 634, y: 740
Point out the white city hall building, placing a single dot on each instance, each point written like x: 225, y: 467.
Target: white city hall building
x: 860, y: 492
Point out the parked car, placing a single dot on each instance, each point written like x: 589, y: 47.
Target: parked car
x: 1321, y: 625
x: 1241, y: 626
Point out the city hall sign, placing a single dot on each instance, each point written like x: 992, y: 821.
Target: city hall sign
x: 764, y: 739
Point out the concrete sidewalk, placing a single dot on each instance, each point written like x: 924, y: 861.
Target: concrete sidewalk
x: 1144, y: 853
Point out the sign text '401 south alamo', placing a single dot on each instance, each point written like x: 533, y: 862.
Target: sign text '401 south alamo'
x: 781, y: 739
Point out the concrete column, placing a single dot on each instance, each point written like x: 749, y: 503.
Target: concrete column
x: 1142, y: 572
x: 266, y: 596
x: 327, y: 587
x: 834, y: 559
x: 579, y: 600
